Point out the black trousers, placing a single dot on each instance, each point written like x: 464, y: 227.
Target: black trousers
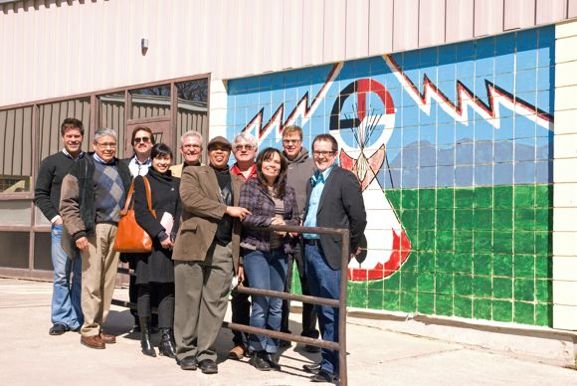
x: 161, y: 295
x: 309, y: 316
x: 240, y: 306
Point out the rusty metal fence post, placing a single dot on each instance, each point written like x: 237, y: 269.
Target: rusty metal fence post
x: 340, y: 304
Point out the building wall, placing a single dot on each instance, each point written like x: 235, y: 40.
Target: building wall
x: 453, y: 146
x: 56, y: 48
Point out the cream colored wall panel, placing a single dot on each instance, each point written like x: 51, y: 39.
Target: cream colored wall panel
x: 564, y: 317
x: 313, y: 29
x: 431, y: 22
x: 564, y: 221
x: 564, y: 170
x: 380, y: 27
x: 357, y: 29
x: 565, y: 74
x: 461, y: 15
x: 564, y: 244
x: 549, y: 11
x: 565, y: 48
x: 405, y: 25
x: 564, y: 195
x: 565, y: 30
x: 488, y: 17
x: 292, y: 36
x: 565, y: 146
x: 334, y: 25
x: 566, y: 97
x: 565, y: 122
x: 519, y: 14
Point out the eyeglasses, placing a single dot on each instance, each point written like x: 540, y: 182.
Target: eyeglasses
x: 291, y: 141
x: 318, y: 153
x: 141, y: 139
x: 243, y: 147
x: 104, y: 145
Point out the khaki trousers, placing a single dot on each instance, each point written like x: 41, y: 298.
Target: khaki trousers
x: 201, y: 299
x: 99, y: 266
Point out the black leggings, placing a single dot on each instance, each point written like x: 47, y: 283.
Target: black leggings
x: 162, y: 295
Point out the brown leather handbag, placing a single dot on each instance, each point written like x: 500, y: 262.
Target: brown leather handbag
x: 130, y: 237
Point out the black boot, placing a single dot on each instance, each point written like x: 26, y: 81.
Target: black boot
x: 145, y: 344
x: 166, y: 346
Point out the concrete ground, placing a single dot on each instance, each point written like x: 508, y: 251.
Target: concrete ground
x: 29, y: 356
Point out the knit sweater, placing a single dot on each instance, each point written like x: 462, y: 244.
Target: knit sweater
x: 47, y: 192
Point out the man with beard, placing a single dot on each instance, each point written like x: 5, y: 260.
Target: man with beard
x: 206, y: 253
x: 301, y: 168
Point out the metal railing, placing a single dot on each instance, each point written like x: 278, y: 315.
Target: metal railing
x: 340, y: 303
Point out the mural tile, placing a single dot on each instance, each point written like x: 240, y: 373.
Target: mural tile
x: 463, y: 219
x: 503, y: 197
x: 426, y: 262
x: 503, y: 264
x: 524, y: 242
x: 543, y: 219
x: 482, y: 286
x: 502, y: 288
x: 463, y: 241
x: 524, y: 266
x: 464, y: 175
x: 446, y: 176
x: 375, y: 300
x: 524, y: 313
x: 483, y: 197
x: 410, y: 199
x: 502, y: 311
x: 464, y: 198
x: 445, y: 198
x: 463, y: 306
x: 503, y: 173
x: 524, y: 196
x: 408, y: 301
x: 543, y: 196
x: 445, y: 219
x: 444, y: 304
x: 463, y: 285
x: 426, y: 219
x: 524, y: 219
x: 544, y: 290
x: 524, y: 289
x: 483, y: 220
x: 482, y: 241
x: 426, y: 303
x: 483, y: 153
x: 445, y: 263
x: 544, y: 314
x: 426, y: 240
x: 481, y: 308
x: 543, y: 243
x: 483, y: 264
x: 503, y: 242
x: 391, y: 300
x: 426, y: 282
x: 543, y: 267
x: 463, y: 263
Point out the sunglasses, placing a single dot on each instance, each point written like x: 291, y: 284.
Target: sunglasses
x: 141, y: 139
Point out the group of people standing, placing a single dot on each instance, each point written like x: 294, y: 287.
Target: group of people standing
x: 204, y: 220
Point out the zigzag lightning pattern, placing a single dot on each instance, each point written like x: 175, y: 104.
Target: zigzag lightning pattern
x: 465, y: 99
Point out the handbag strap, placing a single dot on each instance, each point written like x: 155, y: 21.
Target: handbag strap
x: 129, y: 204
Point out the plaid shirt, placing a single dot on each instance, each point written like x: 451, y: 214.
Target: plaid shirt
x: 256, y: 199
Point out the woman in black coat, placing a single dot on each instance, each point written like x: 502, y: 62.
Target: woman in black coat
x: 155, y: 271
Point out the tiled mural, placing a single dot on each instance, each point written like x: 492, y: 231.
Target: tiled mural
x: 453, y: 149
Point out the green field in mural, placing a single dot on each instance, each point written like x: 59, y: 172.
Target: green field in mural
x: 482, y: 253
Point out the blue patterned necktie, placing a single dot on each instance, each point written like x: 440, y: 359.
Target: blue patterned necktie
x: 316, y: 178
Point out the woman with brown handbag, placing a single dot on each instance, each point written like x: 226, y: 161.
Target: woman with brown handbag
x: 155, y: 271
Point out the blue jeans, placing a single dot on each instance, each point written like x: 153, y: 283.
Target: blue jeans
x: 66, y: 307
x: 324, y: 282
x: 266, y: 270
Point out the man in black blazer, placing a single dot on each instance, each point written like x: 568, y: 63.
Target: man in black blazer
x: 334, y: 200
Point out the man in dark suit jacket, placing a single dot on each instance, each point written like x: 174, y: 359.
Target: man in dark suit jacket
x: 334, y: 200
x: 206, y: 253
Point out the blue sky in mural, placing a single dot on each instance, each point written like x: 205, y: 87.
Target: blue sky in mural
x: 426, y: 149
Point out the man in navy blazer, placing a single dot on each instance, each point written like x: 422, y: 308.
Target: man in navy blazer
x: 334, y: 200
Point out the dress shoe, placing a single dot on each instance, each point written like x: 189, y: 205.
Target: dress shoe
x: 208, y: 366
x: 259, y: 362
x: 107, y: 338
x: 324, y: 376
x: 236, y: 353
x: 188, y: 363
x: 58, y: 329
x: 93, y: 342
x: 312, y: 368
x: 167, y: 347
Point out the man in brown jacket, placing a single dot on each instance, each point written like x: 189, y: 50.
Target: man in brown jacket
x: 206, y: 252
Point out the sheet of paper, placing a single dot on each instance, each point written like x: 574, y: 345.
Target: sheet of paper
x: 167, y: 221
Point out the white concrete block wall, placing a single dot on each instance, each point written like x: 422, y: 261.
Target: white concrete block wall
x: 217, y: 108
x: 565, y: 179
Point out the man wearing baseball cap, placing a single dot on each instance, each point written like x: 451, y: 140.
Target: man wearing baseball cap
x: 206, y: 255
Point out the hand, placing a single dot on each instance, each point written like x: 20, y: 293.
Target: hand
x: 57, y: 220
x: 167, y: 243
x: 82, y: 243
x: 355, y: 253
x: 237, y: 211
x: 278, y: 221
x: 240, y: 275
